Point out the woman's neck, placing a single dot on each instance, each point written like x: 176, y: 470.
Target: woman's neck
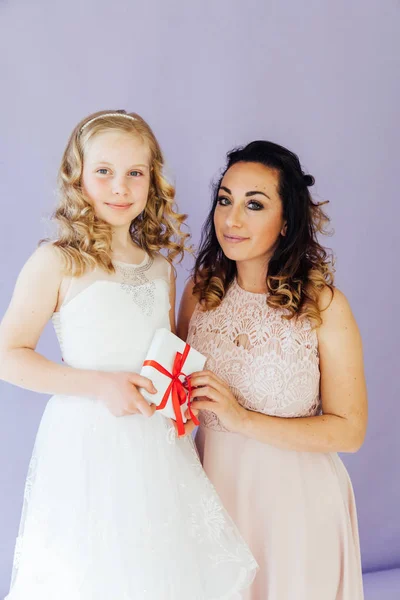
x: 252, y: 277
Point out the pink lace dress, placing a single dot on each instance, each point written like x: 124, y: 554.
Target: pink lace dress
x: 296, y: 510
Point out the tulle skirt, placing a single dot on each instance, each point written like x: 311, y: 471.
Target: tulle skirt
x: 120, y: 509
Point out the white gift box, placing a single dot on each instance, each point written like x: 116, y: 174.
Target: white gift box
x: 163, y: 349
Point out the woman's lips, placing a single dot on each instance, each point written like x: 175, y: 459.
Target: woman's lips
x: 234, y: 239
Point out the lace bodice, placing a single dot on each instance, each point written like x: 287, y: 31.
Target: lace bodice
x: 107, y: 320
x: 271, y: 364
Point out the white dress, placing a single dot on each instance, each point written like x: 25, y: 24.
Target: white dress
x: 119, y: 508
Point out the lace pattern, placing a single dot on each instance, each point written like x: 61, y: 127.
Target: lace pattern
x: 208, y: 525
x: 271, y: 364
x: 137, y: 285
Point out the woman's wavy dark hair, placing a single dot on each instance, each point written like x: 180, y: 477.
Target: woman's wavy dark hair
x: 299, y: 267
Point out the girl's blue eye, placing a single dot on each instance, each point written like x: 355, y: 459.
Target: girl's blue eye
x: 102, y: 171
x: 135, y: 173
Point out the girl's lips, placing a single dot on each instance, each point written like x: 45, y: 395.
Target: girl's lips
x: 119, y: 206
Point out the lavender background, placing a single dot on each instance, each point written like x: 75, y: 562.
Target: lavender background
x: 321, y: 77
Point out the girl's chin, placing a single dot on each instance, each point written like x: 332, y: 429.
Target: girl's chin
x: 118, y: 219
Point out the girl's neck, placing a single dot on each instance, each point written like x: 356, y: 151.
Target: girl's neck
x: 124, y: 248
x: 121, y: 238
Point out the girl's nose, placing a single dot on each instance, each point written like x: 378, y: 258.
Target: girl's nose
x: 119, y: 187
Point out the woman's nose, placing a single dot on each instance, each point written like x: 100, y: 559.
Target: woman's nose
x: 234, y: 217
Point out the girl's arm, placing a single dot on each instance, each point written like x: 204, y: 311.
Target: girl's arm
x: 341, y: 427
x: 32, y: 305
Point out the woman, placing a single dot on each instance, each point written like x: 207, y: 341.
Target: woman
x: 284, y: 389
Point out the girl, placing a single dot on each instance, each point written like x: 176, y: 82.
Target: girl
x: 114, y: 508
x: 285, y: 389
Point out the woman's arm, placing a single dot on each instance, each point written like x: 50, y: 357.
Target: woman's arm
x: 172, y: 299
x: 32, y: 305
x: 341, y: 427
x: 186, y: 308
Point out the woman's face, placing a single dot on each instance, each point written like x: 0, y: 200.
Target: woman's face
x: 116, y: 176
x: 248, y: 217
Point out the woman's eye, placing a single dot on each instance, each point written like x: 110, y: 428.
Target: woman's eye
x: 102, y: 171
x: 253, y: 205
x: 135, y: 173
x: 222, y: 201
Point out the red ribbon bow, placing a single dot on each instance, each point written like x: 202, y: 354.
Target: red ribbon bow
x: 179, y: 394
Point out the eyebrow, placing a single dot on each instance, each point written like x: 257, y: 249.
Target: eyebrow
x: 248, y: 194
x: 104, y: 162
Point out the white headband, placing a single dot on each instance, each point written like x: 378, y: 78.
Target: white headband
x: 116, y: 114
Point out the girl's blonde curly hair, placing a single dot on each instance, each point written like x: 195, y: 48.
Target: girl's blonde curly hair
x: 83, y: 239
x: 300, y: 267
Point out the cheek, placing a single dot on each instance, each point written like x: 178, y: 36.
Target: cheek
x: 266, y: 228
x: 139, y: 189
x: 142, y: 187
x: 218, y: 219
x: 94, y: 187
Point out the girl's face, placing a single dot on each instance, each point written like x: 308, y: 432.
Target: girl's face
x: 248, y: 217
x: 116, y: 176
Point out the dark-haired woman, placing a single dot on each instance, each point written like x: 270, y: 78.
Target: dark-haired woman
x: 284, y: 389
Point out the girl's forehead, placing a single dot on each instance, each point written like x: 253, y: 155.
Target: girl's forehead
x: 113, y: 145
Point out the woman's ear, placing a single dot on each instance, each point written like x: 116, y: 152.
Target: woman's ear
x: 284, y: 229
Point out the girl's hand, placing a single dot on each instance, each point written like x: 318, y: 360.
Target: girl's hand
x: 216, y: 396
x: 119, y: 393
x: 189, y: 425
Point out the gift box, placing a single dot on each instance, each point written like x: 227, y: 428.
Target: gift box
x: 168, y: 363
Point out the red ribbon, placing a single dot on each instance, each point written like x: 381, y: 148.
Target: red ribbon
x: 179, y: 394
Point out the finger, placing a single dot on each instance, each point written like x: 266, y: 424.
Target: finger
x: 205, y: 373
x: 197, y: 374
x: 122, y: 413
x: 208, y: 379
x: 189, y: 428
x: 146, y: 409
x: 194, y: 411
x: 137, y: 399
x: 194, y: 374
x: 207, y: 405
x: 143, y: 382
x: 208, y: 392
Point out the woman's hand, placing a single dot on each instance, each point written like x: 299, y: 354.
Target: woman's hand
x: 190, y: 426
x: 119, y: 393
x: 215, y: 395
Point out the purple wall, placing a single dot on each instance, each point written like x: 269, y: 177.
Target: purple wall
x: 321, y: 77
